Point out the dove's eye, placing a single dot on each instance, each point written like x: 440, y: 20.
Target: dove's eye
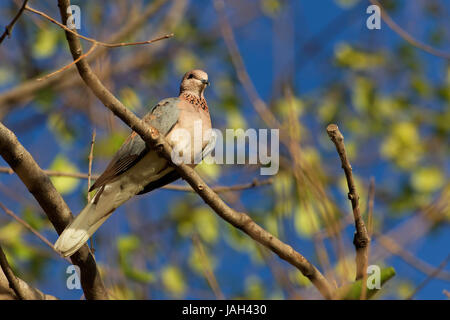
x: 190, y: 76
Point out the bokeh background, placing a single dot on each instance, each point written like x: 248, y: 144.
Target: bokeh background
x: 312, y: 63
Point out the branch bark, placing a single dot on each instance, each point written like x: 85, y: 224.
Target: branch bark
x: 20, y: 289
x: 361, y: 239
x: 27, y: 90
x: 407, y: 37
x: 13, y: 281
x: 154, y: 140
x: 9, y: 27
x: 40, y: 186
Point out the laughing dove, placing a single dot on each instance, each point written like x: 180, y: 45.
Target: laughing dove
x: 135, y: 169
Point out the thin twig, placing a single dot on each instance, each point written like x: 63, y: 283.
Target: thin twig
x: 10, y: 26
x: 370, y: 205
x: 104, y: 44
x: 222, y: 189
x: 406, y: 36
x: 26, y: 225
x: 91, y: 157
x: 431, y: 276
x: 361, y: 239
x: 219, y: 189
x: 394, y: 248
x: 371, y: 200
x: 70, y: 64
x: 13, y: 281
x: 93, y: 41
x: 243, y: 76
x: 207, y: 270
x: 446, y: 293
x: 27, y: 89
x: 280, y: 274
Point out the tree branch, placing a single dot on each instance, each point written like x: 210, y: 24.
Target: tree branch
x: 13, y: 281
x: 94, y: 41
x: 27, y: 226
x: 393, y: 247
x: 40, y: 186
x: 370, y: 200
x: 26, y: 90
x: 430, y: 277
x: 21, y: 289
x: 9, y: 27
x: 361, y: 239
x: 154, y: 140
x: 407, y: 37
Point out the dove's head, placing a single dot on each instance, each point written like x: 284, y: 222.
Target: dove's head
x: 194, y: 82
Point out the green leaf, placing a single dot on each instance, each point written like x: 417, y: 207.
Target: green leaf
x: 306, y: 221
x: 120, y: 292
x: 108, y: 145
x: 404, y: 289
x: 59, y: 126
x: 64, y: 185
x: 185, y: 61
x: 6, y: 75
x: 283, y: 184
x: 403, y: 145
x: 201, y: 221
x: 126, y: 245
x: 347, y: 3
x: 254, y: 288
x: 130, y: 98
x: 199, y: 262
x: 347, y: 56
x: 298, y: 278
x: 45, y: 44
x: 208, y: 169
x: 363, y: 94
x: 235, y: 120
x: 290, y: 107
x: 33, y: 218
x: 271, y: 8
x: 353, y: 291
x: 346, y: 269
x: 427, y: 179
x: 10, y: 232
x: 173, y: 280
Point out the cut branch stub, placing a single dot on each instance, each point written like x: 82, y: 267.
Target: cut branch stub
x: 361, y: 239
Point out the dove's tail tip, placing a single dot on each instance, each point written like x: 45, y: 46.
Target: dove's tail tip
x: 71, y: 240
x: 78, y: 232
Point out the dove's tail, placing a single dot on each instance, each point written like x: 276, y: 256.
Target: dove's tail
x: 81, y: 229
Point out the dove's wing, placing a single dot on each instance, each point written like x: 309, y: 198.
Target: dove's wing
x: 162, y: 117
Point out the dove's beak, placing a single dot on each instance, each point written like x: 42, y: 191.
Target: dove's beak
x: 205, y: 82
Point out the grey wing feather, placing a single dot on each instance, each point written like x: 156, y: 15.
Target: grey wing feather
x: 162, y: 117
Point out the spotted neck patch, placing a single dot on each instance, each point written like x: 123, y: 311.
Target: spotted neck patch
x: 196, y: 101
